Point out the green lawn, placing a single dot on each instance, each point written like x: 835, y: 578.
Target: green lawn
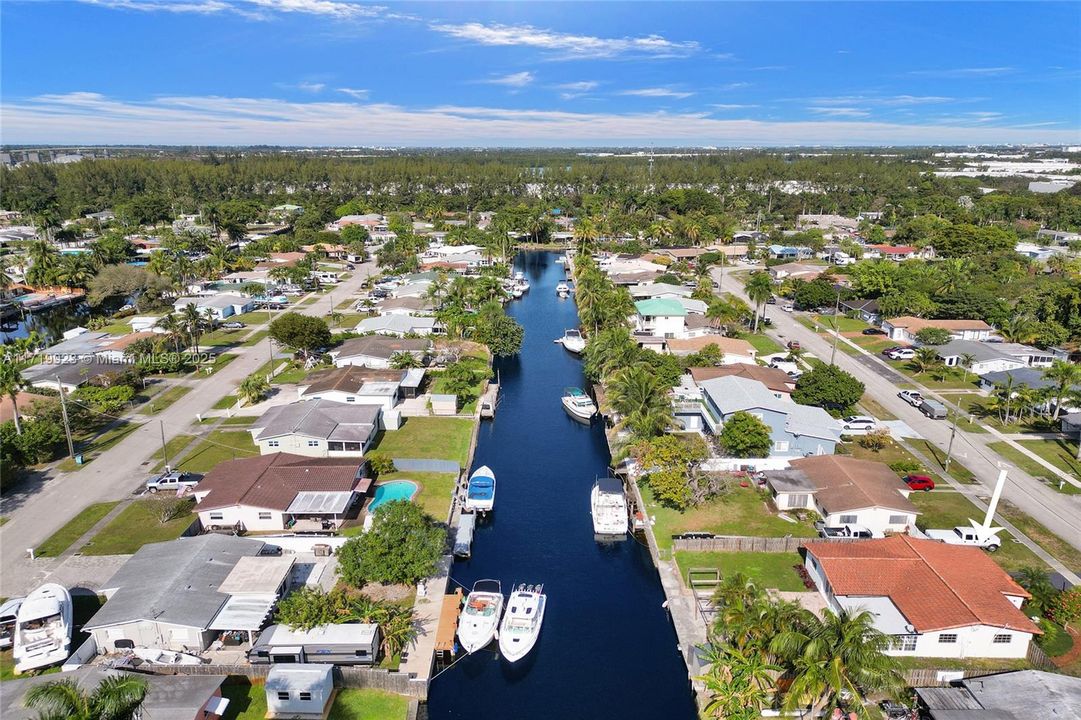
x: 255, y: 338
x: 348, y: 321
x: 845, y: 323
x: 771, y: 570
x: 875, y: 408
x: 219, y: 362
x: 936, y: 455
x: 294, y: 374
x: 945, y: 508
x: 1060, y: 453
x: 436, y: 490
x: 873, y: 344
x: 165, y: 398
x: 740, y: 512
x: 943, y: 378
x: 1046, y: 539
x: 428, y: 437
x: 74, y: 529
x: 762, y: 343
x: 219, y: 446
x: 255, y: 317
x: 136, y: 526
x: 173, y: 448
x: 224, y: 336
x: 240, y: 420
x: 893, y: 452
x: 247, y: 701
x: 976, y: 404
x: 225, y: 402
x: 92, y: 446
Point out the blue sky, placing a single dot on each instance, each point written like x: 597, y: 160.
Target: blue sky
x: 336, y: 72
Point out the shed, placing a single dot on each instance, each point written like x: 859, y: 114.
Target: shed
x: 345, y: 644
x: 444, y: 404
x: 299, y: 691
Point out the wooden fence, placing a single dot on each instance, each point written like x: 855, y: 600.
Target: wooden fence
x: 744, y: 543
x: 344, y: 677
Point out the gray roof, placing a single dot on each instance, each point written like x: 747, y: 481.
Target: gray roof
x: 344, y: 634
x: 1026, y: 691
x: 169, y: 697
x: 174, y: 582
x: 731, y: 394
x: 1026, y: 376
x: 657, y: 289
x: 395, y: 323
x: 981, y: 351
x: 790, y: 480
x: 70, y: 373
x: 381, y: 346
x: 319, y: 419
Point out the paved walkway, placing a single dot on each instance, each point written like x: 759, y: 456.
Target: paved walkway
x: 418, y: 664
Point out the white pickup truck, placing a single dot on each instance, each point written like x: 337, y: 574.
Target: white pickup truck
x: 986, y: 538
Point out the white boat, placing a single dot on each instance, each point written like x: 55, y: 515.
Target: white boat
x: 523, y: 285
x: 478, y: 624
x: 519, y: 276
x: 560, y: 260
x: 516, y: 292
x: 9, y: 615
x: 521, y: 624
x: 578, y: 404
x: 480, y: 492
x: 158, y: 656
x: 608, y: 503
x: 572, y: 340
x: 463, y: 537
x: 43, y: 628
x: 563, y: 289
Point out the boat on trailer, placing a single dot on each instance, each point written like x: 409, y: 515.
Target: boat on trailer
x: 478, y: 624
x: 43, y: 628
x: 578, y: 404
x: 522, y: 622
x: 480, y: 492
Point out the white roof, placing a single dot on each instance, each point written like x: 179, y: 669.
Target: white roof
x: 320, y: 503
x: 298, y: 676
x: 244, y: 612
x: 346, y: 633
x: 257, y: 574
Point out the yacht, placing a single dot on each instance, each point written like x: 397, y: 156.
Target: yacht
x: 519, y: 276
x: 522, y: 623
x: 572, y: 340
x: 480, y: 493
x: 609, y: 507
x: 43, y: 628
x: 522, y: 284
x: 516, y: 292
x: 9, y: 615
x: 563, y: 289
x: 578, y: 404
x: 479, y: 621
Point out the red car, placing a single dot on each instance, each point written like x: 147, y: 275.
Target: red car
x: 920, y: 482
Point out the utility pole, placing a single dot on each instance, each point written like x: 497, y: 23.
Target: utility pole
x: 836, y: 327
x: 949, y: 447
x: 64, y: 414
x: 164, y: 451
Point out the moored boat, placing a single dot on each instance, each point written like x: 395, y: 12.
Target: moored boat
x: 563, y: 289
x: 478, y: 623
x: 463, y: 536
x: 43, y: 628
x: 578, y: 404
x: 608, y: 504
x: 522, y: 622
x: 573, y: 341
x: 480, y: 492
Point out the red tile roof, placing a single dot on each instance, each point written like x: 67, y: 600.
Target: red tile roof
x: 934, y: 585
x: 273, y: 481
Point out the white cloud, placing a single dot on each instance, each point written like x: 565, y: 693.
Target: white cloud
x: 888, y: 101
x: 355, y: 93
x: 566, y: 45
x: 841, y: 112
x: 203, y: 7
x: 583, y: 86
x: 514, y: 80
x: 658, y: 92
x: 255, y: 9
x: 734, y: 86
x: 91, y: 118
x: 312, y: 87
x: 731, y: 106
x: 971, y: 72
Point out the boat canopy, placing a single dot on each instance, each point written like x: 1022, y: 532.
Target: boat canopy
x: 482, y: 488
x: 610, y: 485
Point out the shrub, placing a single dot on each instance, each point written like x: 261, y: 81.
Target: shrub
x: 403, y: 546
x: 381, y: 463
x: 875, y: 440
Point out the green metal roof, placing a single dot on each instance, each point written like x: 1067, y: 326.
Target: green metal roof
x: 655, y: 307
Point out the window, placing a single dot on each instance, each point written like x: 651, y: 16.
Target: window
x: 353, y: 447
x: 848, y: 519
x: 350, y: 399
x: 898, y: 519
x: 781, y: 446
x: 217, y: 516
x: 362, y: 653
x: 335, y: 446
x: 272, y: 443
x: 1003, y: 639
x: 947, y: 638
x: 264, y: 516
x: 305, y: 695
x: 283, y: 694
x: 313, y: 443
x: 905, y: 643
x: 798, y: 501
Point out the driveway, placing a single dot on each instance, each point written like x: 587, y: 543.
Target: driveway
x: 37, y: 509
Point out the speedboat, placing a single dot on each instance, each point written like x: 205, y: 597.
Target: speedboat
x: 516, y: 292
x: 522, y: 284
x: 578, y: 404
x: 479, y: 621
x: 43, y: 628
x: 521, y: 625
x: 158, y: 656
x: 572, y: 340
x: 519, y: 276
x: 463, y: 537
x: 9, y: 615
x: 480, y: 493
x: 560, y: 260
x: 563, y: 289
x: 609, y: 506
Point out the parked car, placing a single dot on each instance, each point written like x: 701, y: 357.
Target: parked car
x: 977, y: 536
x: 874, y: 331
x: 350, y: 266
x: 841, y: 531
x: 788, y: 307
x: 933, y: 409
x: 858, y: 423
x: 233, y: 325
x: 793, y: 345
x: 920, y: 482
x: 171, y: 480
x: 900, y: 354
x: 772, y: 300
x: 912, y: 397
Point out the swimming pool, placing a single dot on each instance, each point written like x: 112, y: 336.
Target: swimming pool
x: 396, y: 490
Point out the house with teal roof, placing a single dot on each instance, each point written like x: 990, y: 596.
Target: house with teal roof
x: 660, y: 317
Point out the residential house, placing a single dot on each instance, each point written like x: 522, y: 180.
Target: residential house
x: 1004, y: 696
x: 845, y: 491
x: 319, y: 428
x: 114, y: 350
x: 865, y: 310
x: 362, y: 385
x: 795, y: 430
x: 1058, y: 237
x: 220, y: 306
x: 142, y: 323
x: 168, y: 697
x: 898, y: 253
x: 1026, y: 377
x: 660, y: 317
x: 776, y: 381
x: 397, y: 325
x: 797, y: 271
x: 377, y: 351
x: 343, y: 644
x: 827, y: 222
x: 279, y: 492
x: 1070, y: 422
x: 299, y: 692
x: 370, y: 221
x: 693, y: 306
x: 735, y: 351
x: 168, y: 595
x: 1037, y: 252
x: 905, y: 328
x: 985, y: 357
x: 416, y: 306
x: 70, y: 375
x: 1031, y: 356
x: 696, y: 325
x: 788, y: 252
x: 627, y: 279
x: 932, y: 598
x: 659, y: 290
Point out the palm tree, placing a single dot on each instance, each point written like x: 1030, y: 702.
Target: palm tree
x: 404, y: 361
x: 44, y: 261
x: 1065, y: 375
x: 640, y: 398
x: 926, y: 358
x: 739, y: 683
x: 115, y: 698
x: 1005, y: 393
x: 12, y: 381
x: 585, y: 234
x: 194, y: 323
x: 254, y: 388
x: 75, y: 271
x: 953, y: 274
x: 759, y: 289
x: 966, y: 360
x: 1018, y: 329
x: 173, y: 327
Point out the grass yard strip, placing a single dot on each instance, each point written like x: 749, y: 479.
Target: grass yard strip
x: 165, y: 398
x: 762, y: 343
x: 435, y: 491
x: 1060, y: 453
x: 219, y: 446
x: 240, y: 420
x: 74, y: 529
x: 255, y: 338
x: 172, y: 448
x: 93, y: 446
x: 937, y: 455
x: 137, y: 525
x: 770, y: 570
x: 1049, y: 541
x: 225, y: 402
x: 219, y: 362
x: 293, y: 374
x: 875, y: 408
x: 428, y: 437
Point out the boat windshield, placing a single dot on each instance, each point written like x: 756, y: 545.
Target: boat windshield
x: 482, y: 606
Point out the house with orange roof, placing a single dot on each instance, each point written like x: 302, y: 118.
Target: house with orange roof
x: 933, y: 599
x: 906, y: 327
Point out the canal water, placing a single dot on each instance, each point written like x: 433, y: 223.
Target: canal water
x: 607, y: 648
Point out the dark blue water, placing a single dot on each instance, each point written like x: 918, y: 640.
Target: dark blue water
x: 607, y: 648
